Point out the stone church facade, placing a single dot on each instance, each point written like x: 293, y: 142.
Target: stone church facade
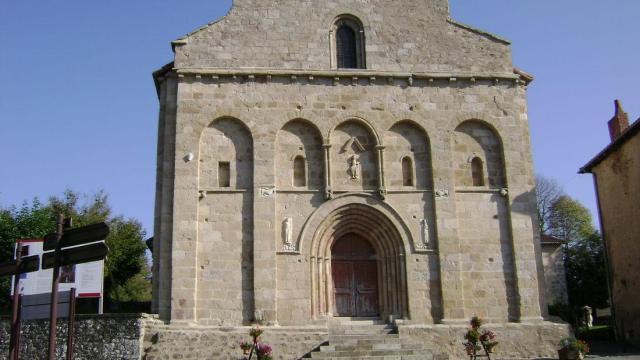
x: 345, y: 159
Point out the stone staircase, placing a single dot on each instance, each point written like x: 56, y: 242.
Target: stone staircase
x: 370, y: 339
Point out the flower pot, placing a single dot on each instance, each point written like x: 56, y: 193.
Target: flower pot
x: 568, y: 354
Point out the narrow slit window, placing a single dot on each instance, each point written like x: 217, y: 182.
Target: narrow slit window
x: 477, y: 171
x: 299, y: 172
x: 224, y: 174
x: 407, y: 171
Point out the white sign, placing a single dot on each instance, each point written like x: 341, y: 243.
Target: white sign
x: 86, y: 278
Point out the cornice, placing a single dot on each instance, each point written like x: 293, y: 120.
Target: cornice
x: 355, y: 76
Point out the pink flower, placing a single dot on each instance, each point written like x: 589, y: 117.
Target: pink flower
x: 263, y: 349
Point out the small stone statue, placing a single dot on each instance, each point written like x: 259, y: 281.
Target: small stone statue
x: 425, y: 233
x: 287, y: 230
x: 588, y: 316
x: 354, y: 167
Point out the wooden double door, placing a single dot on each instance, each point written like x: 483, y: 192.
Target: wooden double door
x: 355, y: 277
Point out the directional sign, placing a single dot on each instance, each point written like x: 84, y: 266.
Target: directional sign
x: 78, y: 236
x: 77, y: 255
x: 27, y: 264
x: 36, y: 307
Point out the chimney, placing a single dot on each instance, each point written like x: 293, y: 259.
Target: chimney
x: 619, y: 123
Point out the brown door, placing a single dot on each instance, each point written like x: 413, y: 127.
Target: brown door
x: 355, y: 277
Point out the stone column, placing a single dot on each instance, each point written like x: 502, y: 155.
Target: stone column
x: 163, y: 216
x: 382, y: 189
x: 264, y: 225
x: 327, y: 168
x: 522, y: 213
x: 449, y: 250
x: 185, y: 215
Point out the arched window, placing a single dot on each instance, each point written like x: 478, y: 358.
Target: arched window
x: 299, y: 172
x: 348, y: 42
x: 407, y: 171
x: 477, y: 171
x: 346, y: 48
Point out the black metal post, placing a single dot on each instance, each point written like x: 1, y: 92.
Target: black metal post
x: 53, y: 320
x: 72, y: 321
x: 13, y: 348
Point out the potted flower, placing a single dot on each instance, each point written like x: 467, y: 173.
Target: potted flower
x: 245, y: 346
x: 572, y: 349
x: 478, y: 339
x: 488, y: 338
x: 255, y: 333
x: 261, y: 350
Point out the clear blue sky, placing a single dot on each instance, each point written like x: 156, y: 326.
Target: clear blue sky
x: 78, y: 107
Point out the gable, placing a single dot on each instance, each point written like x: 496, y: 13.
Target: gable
x: 399, y: 36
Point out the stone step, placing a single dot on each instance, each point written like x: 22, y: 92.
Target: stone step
x: 355, y: 321
x: 389, y: 357
x: 363, y: 338
x: 368, y: 353
x: 362, y: 331
x: 375, y: 346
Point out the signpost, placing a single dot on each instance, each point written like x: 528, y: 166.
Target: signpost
x: 66, y: 247
x: 70, y: 247
x: 16, y: 267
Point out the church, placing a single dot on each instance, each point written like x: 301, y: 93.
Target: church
x: 346, y: 159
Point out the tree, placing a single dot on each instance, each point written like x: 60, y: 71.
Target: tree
x: 126, y: 269
x: 547, y: 193
x: 126, y: 257
x: 27, y: 222
x: 569, y: 220
x: 586, y: 276
x: 126, y: 261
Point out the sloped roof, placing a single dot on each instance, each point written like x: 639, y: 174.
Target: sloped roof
x: 629, y: 133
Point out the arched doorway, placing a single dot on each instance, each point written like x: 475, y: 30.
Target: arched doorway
x: 381, y: 227
x: 355, y: 277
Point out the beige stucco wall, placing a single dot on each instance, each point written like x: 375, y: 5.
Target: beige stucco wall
x: 617, y: 181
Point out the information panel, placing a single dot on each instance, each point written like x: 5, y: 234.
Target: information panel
x: 86, y: 278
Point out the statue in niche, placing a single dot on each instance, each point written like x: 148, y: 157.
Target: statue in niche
x: 354, y: 167
x: 425, y: 234
x: 287, y: 232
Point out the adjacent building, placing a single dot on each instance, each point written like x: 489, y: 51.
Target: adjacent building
x: 616, y: 174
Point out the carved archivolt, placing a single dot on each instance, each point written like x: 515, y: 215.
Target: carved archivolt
x: 373, y: 220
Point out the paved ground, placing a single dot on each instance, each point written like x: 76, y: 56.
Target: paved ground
x: 612, y: 351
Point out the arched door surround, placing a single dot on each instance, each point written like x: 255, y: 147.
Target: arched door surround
x: 367, y: 217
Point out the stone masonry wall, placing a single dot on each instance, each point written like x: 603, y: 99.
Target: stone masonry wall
x: 104, y: 337
x: 516, y: 341
x: 554, y: 274
x: 295, y: 34
x: 431, y: 110
x: 257, y: 95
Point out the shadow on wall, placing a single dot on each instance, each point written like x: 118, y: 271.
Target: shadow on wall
x: 508, y: 260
